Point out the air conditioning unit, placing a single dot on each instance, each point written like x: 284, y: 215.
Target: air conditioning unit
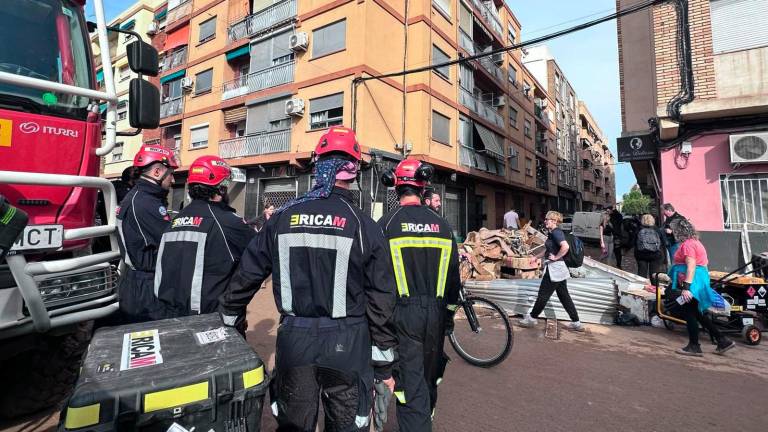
x: 294, y: 107
x: 153, y: 27
x: 498, y: 58
x: 499, y: 101
x: 526, y: 89
x: 187, y: 83
x: 298, y: 41
x: 512, y: 152
x: 749, y: 148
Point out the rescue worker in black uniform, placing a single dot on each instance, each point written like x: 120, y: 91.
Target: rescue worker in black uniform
x: 333, y: 285
x: 426, y: 266
x: 141, y: 220
x: 12, y: 223
x: 200, y: 251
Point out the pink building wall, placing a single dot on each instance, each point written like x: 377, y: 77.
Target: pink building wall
x: 693, y: 186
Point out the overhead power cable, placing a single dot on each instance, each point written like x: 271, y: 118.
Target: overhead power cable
x: 535, y: 41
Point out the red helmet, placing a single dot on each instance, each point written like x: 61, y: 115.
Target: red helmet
x: 409, y: 172
x: 339, y: 139
x: 149, y: 154
x: 209, y: 171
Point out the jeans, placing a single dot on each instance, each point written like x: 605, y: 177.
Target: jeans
x: 546, y: 289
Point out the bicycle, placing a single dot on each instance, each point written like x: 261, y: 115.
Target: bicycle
x: 487, y: 337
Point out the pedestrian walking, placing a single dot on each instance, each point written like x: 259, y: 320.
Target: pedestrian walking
x: 650, y: 247
x: 203, y: 245
x: 511, y: 220
x: 556, y: 275
x: 691, y: 285
x: 426, y: 266
x: 606, y: 236
x: 671, y: 215
x: 335, y: 290
x: 141, y: 220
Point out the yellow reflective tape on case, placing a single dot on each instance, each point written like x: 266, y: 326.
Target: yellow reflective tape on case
x: 175, y: 397
x: 253, y: 377
x: 81, y: 417
x: 400, y: 395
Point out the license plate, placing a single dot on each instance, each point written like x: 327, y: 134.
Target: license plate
x: 40, y: 237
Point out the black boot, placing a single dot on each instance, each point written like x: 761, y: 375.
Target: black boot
x: 723, y: 345
x: 691, y: 350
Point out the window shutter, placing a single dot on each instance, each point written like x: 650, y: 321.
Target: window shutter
x: 326, y: 103
x: 738, y: 24
x: 199, y: 134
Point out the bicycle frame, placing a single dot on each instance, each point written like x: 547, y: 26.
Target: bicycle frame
x: 469, y: 311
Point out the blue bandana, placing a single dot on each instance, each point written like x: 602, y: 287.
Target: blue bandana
x: 325, y: 179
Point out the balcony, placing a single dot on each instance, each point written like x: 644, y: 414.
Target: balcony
x: 256, y: 81
x: 172, y: 107
x: 470, y: 157
x: 181, y: 11
x: 263, y: 20
x: 256, y: 144
x: 541, y: 144
x: 480, y: 108
x: 490, y: 67
x: 491, y: 18
x: 174, y: 60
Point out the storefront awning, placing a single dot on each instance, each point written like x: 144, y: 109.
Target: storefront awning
x: 173, y: 76
x: 235, y: 115
x: 99, y: 76
x: 177, y: 38
x: 238, y: 52
x: 490, y: 141
x: 160, y: 15
x: 102, y: 108
x: 128, y: 25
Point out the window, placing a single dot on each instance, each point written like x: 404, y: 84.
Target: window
x: 552, y: 176
x: 198, y: 136
x: 125, y: 73
x: 122, y: 110
x: 513, y: 117
x: 527, y: 89
x: 267, y: 117
x: 745, y: 200
x: 557, y: 83
x: 529, y: 167
x: 207, y: 30
x: 511, y: 35
x: 514, y: 160
x: 438, y: 56
x: 733, y: 24
x: 117, y: 152
x: 329, y: 39
x: 203, y: 81
x: 444, y: 6
x: 172, y: 90
x: 441, y: 128
x: 527, y: 129
x: 513, y: 75
x: 326, y: 111
x: 271, y: 52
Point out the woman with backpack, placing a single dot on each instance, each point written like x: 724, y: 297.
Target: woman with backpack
x: 556, y: 275
x: 650, y: 247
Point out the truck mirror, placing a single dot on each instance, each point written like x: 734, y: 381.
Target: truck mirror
x: 143, y: 105
x: 142, y: 58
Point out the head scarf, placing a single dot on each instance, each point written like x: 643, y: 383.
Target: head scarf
x: 325, y: 178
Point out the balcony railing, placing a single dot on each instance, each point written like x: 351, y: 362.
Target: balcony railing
x: 541, y: 145
x: 253, y: 24
x: 172, y: 107
x: 480, y: 108
x: 178, y: 12
x: 469, y: 157
x: 256, y: 81
x: 256, y: 144
x: 465, y: 41
x: 491, y: 67
x: 174, y: 59
x: 491, y: 18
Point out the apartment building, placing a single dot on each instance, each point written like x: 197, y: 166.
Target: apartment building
x: 258, y: 82
x: 597, y: 164
x: 139, y: 18
x: 711, y: 159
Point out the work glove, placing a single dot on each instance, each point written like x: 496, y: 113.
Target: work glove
x: 12, y: 223
x: 383, y: 395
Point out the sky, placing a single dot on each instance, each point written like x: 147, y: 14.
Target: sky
x: 589, y: 58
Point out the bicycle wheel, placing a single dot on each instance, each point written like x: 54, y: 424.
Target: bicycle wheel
x: 491, y: 339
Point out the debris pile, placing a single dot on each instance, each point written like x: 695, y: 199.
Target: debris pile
x: 492, y: 254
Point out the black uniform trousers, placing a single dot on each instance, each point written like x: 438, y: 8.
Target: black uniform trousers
x: 328, y: 359
x: 420, y: 323
x: 137, y: 297
x: 546, y: 289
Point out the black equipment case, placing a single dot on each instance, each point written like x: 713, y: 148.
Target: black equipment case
x: 174, y: 375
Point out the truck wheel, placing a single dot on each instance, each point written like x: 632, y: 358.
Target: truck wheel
x: 44, y: 376
x: 751, y: 335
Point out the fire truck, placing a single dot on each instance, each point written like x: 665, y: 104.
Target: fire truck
x: 52, y: 137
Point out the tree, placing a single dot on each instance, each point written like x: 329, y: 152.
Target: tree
x: 635, y: 202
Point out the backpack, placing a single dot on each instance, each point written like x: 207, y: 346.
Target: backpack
x: 575, y: 256
x: 648, y: 240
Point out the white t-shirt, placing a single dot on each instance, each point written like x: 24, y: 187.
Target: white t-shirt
x: 511, y: 220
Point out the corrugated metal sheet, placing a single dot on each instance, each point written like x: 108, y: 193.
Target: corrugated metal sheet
x: 738, y: 24
x: 596, y: 299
